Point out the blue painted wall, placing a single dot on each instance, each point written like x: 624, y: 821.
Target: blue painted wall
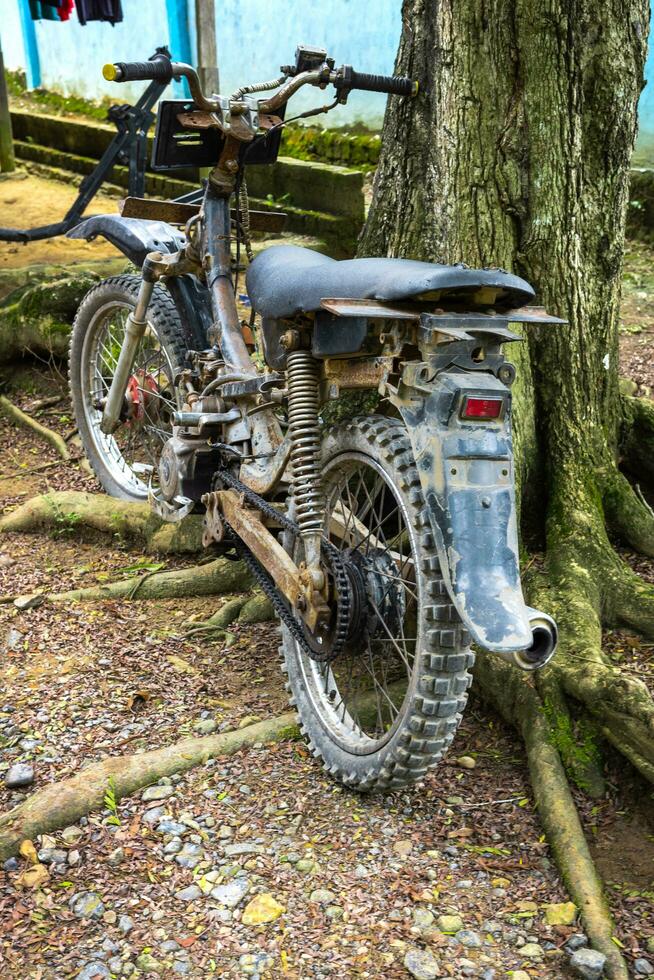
x: 254, y: 38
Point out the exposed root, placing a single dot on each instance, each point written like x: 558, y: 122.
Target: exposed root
x: 61, y: 804
x: 214, y: 578
x: 257, y: 609
x: 628, y: 516
x: 131, y: 522
x: 27, y: 422
x: 637, y: 438
x: 514, y: 696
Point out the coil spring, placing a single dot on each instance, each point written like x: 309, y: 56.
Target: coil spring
x: 303, y: 378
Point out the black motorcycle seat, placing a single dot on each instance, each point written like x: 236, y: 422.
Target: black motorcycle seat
x: 285, y: 280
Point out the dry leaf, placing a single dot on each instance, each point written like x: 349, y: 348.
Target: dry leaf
x: 28, y: 851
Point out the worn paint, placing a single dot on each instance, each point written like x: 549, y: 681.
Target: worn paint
x: 466, y: 472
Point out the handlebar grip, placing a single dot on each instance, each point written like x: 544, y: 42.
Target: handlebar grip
x: 392, y: 84
x: 159, y: 69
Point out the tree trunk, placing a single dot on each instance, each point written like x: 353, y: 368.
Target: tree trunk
x: 516, y: 154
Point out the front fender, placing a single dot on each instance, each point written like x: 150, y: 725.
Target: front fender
x: 466, y: 472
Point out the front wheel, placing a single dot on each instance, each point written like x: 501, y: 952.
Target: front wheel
x: 125, y: 461
x: 385, y: 709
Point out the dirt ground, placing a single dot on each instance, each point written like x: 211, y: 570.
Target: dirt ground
x: 363, y: 881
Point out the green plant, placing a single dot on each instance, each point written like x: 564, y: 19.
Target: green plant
x: 111, y: 803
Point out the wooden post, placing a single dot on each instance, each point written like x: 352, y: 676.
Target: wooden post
x: 7, y: 162
x: 205, y: 35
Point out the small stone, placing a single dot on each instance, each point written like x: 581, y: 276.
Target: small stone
x: 74, y: 858
x: 306, y: 865
x: 252, y: 964
x: 520, y: 975
x: 173, y: 847
x: 422, y: 964
x: 335, y: 912
x: 532, y: 951
x: 189, y: 894
x: 403, y: 847
x: 19, y: 775
x: 189, y: 856
x: 225, y: 832
x: 561, y: 914
x: 116, y: 857
x: 110, y: 917
x: 588, y: 963
x: 125, y: 924
x: 170, y: 946
x: 28, y: 601
x: 263, y: 908
x: 157, y: 793
x: 172, y: 827
x: 469, y: 939
x: 154, y: 815
x: 52, y: 855
x: 423, y: 918
x: 71, y: 834
x: 182, y: 967
x: 577, y: 941
x: 148, y: 964
x: 86, y: 905
x: 115, y: 964
x: 28, y: 744
x: 94, y: 971
x: 231, y: 893
x: 466, y: 762
x: 449, y: 923
x: 13, y: 639
x: 643, y: 967
x: 11, y: 864
x: 322, y: 896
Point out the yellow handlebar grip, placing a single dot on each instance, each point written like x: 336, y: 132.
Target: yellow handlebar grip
x: 109, y: 72
x: 416, y: 88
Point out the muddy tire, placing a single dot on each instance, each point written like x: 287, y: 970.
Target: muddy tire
x: 369, y: 464
x: 124, y: 461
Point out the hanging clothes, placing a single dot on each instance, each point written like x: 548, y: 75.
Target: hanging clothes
x: 66, y: 8
x: 39, y: 10
x: 106, y: 10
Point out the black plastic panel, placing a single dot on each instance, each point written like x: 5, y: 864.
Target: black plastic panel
x: 176, y: 148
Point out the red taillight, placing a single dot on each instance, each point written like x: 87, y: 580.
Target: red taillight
x: 481, y: 408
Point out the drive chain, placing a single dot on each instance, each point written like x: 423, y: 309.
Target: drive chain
x: 279, y: 602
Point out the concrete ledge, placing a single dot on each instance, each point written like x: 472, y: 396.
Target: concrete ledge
x: 318, y: 187
x: 339, y: 230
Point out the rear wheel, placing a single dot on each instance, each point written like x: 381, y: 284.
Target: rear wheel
x: 125, y: 461
x: 385, y: 709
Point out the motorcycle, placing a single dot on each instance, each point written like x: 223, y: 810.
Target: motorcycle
x: 387, y: 543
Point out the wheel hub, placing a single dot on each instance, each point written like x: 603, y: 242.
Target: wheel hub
x: 382, y: 601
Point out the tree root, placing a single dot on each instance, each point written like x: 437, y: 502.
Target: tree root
x: 64, y: 803
x: 27, y: 422
x: 214, y: 578
x: 637, y: 438
x: 131, y: 522
x: 257, y: 609
x: 517, y: 700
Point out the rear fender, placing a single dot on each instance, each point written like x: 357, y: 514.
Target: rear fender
x: 466, y: 473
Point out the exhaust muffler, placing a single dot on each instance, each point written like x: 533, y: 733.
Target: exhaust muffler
x: 543, y: 644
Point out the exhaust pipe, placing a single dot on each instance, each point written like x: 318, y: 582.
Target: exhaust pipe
x: 543, y: 644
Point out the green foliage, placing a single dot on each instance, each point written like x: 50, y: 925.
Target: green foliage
x: 111, y: 803
x: 53, y: 102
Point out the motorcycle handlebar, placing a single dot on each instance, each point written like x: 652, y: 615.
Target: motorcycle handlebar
x: 158, y: 69
x: 348, y: 78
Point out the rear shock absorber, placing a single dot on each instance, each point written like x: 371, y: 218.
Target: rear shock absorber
x: 303, y: 379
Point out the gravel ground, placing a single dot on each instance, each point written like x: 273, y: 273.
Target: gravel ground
x: 260, y: 865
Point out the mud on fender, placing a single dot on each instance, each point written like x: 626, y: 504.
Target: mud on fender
x: 466, y: 472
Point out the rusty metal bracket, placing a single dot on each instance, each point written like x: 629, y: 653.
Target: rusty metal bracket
x: 293, y: 581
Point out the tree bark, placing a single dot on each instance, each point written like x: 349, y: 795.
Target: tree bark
x: 516, y: 154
